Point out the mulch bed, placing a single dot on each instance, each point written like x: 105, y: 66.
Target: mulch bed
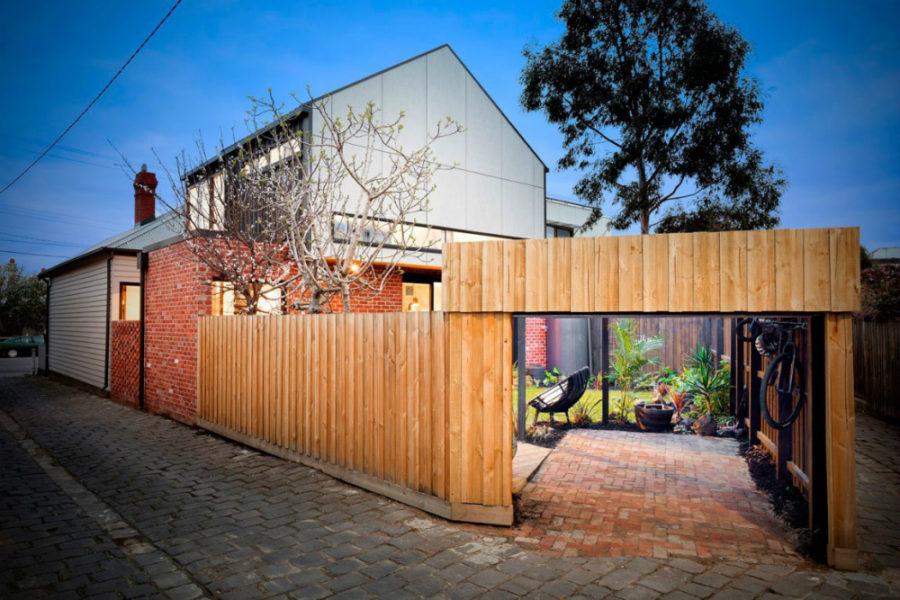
x: 786, y: 500
x: 549, y: 436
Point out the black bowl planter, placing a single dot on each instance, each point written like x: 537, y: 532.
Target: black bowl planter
x: 653, y: 417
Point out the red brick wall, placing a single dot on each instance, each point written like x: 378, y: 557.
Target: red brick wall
x: 176, y: 294
x: 390, y: 299
x: 536, y: 342
x: 125, y: 367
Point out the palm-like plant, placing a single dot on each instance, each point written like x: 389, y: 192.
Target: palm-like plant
x: 631, y: 356
x: 705, y: 382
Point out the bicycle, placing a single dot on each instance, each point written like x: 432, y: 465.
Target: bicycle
x: 784, y: 373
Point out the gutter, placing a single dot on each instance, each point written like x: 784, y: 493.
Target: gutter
x: 109, y: 260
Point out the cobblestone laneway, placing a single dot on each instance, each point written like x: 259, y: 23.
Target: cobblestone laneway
x: 618, y: 493
x: 99, y: 500
x: 878, y: 492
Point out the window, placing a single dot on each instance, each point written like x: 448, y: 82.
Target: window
x: 421, y: 292
x: 559, y: 231
x: 226, y: 301
x: 129, y: 302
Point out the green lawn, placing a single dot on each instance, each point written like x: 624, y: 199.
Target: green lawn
x: 591, y: 399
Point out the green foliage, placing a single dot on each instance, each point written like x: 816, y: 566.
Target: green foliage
x: 668, y: 376
x: 880, y: 291
x: 662, y: 85
x: 631, y: 355
x: 706, y: 383
x: 23, y: 301
x: 551, y: 377
x: 580, y: 414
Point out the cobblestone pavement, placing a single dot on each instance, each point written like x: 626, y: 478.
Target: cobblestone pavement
x: 620, y: 493
x: 877, y: 491
x: 99, y: 500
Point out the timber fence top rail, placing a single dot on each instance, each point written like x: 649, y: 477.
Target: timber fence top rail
x: 781, y: 270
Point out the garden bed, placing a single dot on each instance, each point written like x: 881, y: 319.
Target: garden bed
x: 787, y: 501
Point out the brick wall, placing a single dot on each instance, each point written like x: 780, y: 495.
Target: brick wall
x: 125, y: 367
x: 535, y: 342
x: 390, y: 299
x: 176, y: 295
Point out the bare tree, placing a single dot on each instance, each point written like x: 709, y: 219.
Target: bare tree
x: 308, y: 217
x: 366, y: 205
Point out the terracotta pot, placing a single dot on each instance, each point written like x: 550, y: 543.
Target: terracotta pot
x: 653, y: 417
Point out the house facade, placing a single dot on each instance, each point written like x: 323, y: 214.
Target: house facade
x: 493, y: 188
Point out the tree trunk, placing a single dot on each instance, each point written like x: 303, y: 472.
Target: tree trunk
x: 345, y: 297
x: 315, y: 302
x: 644, y: 197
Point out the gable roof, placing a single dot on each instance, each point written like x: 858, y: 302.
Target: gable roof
x: 305, y: 109
x: 131, y: 241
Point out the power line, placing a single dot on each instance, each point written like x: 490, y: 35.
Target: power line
x: 55, y: 218
x: 32, y: 253
x: 39, y: 239
x: 94, y: 101
x: 36, y: 243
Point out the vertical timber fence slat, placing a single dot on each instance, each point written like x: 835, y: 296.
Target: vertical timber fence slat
x: 408, y: 404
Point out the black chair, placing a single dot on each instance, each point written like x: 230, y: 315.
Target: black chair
x: 563, y: 395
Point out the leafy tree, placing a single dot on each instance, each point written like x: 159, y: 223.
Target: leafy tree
x: 661, y: 85
x: 22, y: 301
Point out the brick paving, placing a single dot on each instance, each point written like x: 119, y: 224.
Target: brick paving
x: 99, y: 500
x: 618, y: 493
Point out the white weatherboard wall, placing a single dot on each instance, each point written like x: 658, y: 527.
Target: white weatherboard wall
x: 496, y: 183
x: 77, y: 327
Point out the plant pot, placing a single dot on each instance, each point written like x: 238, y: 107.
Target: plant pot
x: 653, y: 417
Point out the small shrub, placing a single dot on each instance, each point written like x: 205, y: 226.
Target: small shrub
x: 580, y: 414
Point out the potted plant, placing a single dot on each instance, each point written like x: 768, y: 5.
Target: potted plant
x: 707, y: 384
x: 656, y: 415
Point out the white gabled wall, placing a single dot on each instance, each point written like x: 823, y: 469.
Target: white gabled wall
x: 77, y: 323
x: 496, y: 185
x: 569, y: 214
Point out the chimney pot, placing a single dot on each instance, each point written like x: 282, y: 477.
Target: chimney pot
x: 144, y: 196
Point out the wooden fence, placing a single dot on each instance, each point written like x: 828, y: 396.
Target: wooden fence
x: 406, y: 404
x: 876, y: 356
x: 681, y: 335
x: 795, y: 270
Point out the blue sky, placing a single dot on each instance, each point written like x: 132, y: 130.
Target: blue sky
x: 830, y: 71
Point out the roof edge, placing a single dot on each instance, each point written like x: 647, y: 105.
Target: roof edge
x: 75, y: 261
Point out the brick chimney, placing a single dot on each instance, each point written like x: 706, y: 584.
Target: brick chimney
x: 144, y: 196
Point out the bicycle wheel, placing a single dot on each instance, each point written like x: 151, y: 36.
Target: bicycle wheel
x: 786, y: 385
